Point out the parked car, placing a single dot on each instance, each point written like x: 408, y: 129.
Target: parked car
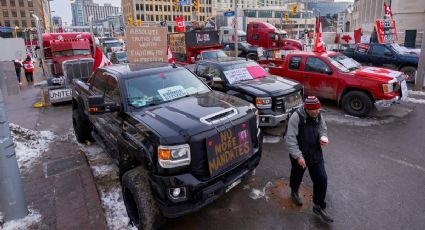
x: 246, y: 50
x: 275, y: 97
x: 390, y: 56
x: 334, y: 76
x: 178, y: 145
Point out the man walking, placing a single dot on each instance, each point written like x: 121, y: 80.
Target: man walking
x: 306, y: 134
x: 29, y: 69
x: 18, y: 68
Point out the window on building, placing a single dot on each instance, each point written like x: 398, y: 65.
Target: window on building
x: 5, y: 13
x: 156, y: 8
x: 30, y: 3
x: 6, y: 23
x: 32, y: 23
x: 14, y: 14
x: 157, y: 18
x: 277, y: 14
x: 137, y: 6
x: 23, y: 13
x: 265, y: 14
x: 3, y: 2
x: 17, y: 23
x: 12, y: 2
x: 251, y: 13
x: 24, y: 24
x: 143, y: 17
x: 151, y: 7
x: 142, y: 7
x: 21, y: 3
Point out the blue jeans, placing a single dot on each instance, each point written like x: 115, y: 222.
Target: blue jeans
x: 318, y: 176
x: 18, y: 75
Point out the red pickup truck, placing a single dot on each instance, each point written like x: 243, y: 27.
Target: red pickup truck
x: 337, y: 77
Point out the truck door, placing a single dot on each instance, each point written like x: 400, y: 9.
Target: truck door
x: 383, y: 57
x: 321, y: 81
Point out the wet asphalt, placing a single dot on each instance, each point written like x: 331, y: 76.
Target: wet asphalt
x: 376, y: 180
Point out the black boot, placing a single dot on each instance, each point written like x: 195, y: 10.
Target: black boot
x: 322, y: 213
x: 296, y: 198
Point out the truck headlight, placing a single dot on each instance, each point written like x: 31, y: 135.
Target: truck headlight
x: 263, y: 102
x: 173, y: 156
x: 388, y: 88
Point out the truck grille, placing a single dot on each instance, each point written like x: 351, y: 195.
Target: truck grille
x: 76, y: 69
x: 278, y: 104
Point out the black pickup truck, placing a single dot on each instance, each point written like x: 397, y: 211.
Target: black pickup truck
x: 178, y: 144
x: 390, y: 56
x: 275, y: 97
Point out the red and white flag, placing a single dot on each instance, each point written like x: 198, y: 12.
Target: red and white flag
x: 318, y: 43
x: 180, y: 24
x: 170, y: 55
x: 387, y: 10
x: 100, y: 60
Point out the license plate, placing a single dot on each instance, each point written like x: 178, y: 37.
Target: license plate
x: 59, y: 95
x: 232, y: 185
x: 404, y: 90
x: 228, y: 147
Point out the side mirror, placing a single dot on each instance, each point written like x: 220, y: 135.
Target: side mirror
x: 327, y: 71
x: 97, y: 105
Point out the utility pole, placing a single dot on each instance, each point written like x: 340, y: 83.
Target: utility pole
x: 419, y: 82
x: 236, y: 28
x: 12, y: 199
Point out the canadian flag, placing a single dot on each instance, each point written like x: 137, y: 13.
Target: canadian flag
x: 170, y: 55
x: 100, y: 60
x: 318, y: 43
x: 387, y: 10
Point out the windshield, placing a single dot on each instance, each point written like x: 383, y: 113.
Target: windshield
x: 121, y: 55
x: 112, y: 44
x: 69, y: 53
x: 243, y: 72
x: 242, y: 38
x: 400, y: 49
x: 344, y: 63
x: 162, y: 87
x: 213, y: 54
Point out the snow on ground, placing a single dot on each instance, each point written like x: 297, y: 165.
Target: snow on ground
x: 355, y: 121
x: 416, y: 93
x: 271, y: 139
x: 259, y: 193
x: 414, y: 100
x: 107, y: 182
x: 31, y: 221
x: 29, y: 145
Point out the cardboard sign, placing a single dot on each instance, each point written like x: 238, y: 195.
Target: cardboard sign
x: 147, y: 44
x: 172, y: 93
x: 386, y: 31
x: 227, y: 147
x: 178, y: 43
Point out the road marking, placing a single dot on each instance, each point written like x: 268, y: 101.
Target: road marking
x: 405, y: 163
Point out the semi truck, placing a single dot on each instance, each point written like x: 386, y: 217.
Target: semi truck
x: 266, y: 35
x: 68, y: 56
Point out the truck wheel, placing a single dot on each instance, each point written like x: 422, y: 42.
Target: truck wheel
x: 82, y: 127
x: 357, y: 103
x: 411, y: 71
x: 139, y: 201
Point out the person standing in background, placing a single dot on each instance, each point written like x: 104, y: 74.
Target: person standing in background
x: 29, y: 70
x: 18, y: 68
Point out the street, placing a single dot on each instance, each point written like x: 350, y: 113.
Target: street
x: 375, y: 167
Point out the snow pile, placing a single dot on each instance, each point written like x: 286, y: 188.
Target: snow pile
x: 354, y: 121
x: 416, y: 93
x: 271, y: 139
x: 107, y: 182
x: 259, y: 193
x: 414, y: 100
x: 31, y: 221
x: 29, y: 145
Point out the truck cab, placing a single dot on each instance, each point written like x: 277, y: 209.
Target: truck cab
x: 179, y: 145
x: 266, y: 35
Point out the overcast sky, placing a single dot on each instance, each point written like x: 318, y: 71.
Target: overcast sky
x: 62, y: 8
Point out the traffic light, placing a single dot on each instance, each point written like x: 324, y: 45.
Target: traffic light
x: 294, y: 10
x: 130, y: 21
x: 138, y: 22
x: 196, y: 4
x: 286, y: 17
x: 176, y: 4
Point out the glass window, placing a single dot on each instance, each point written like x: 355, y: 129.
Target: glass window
x: 278, y: 14
x: 21, y: 3
x: 12, y: 2
x: 255, y: 36
x: 112, y: 90
x: 98, y: 82
x: 315, y: 65
x: 380, y: 50
x: 24, y: 24
x: 213, y: 54
x: 6, y: 23
x: 17, y: 23
x: 202, y: 70
x: 30, y: 3
x: 3, y: 2
x: 23, y: 13
x: 14, y: 14
x: 295, y: 63
x: 265, y: 14
x: 137, y: 6
x: 214, y: 71
x: 162, y: 87
x: 5, y: 13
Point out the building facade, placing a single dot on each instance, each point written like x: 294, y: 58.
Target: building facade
x: 16, y: 16
x: 408, y: 15
x: 57, y: 21
x: 157, y: 11
x: 83, y: 9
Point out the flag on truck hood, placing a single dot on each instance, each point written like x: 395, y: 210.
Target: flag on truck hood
x: 100, y: 60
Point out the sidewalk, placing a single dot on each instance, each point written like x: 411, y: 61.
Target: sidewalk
x: 60, y: 186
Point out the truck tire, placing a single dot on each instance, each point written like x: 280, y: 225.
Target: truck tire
x: 82, y: 127
x: 357, y: 103
x: 139, y: 201
x: 411, y: 71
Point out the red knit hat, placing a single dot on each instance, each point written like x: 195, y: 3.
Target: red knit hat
x: 311, y: 102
